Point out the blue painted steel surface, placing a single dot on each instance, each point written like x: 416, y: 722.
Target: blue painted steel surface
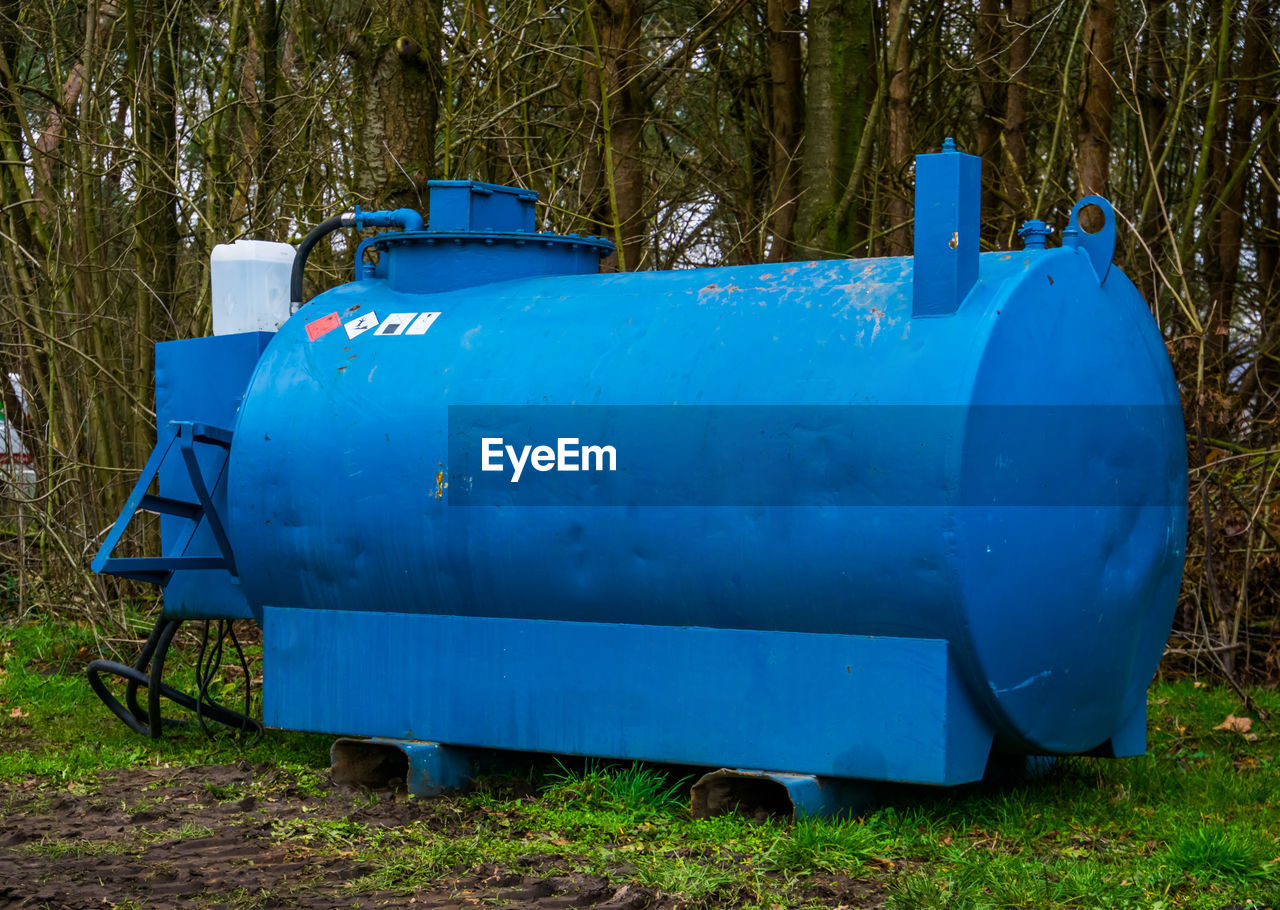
x: 779, y: 700
x: 469, y: 205
x: 476, y: 232
x: 195, y: 513
x: 199, y: 383
x: 204, y: 380
x: 433, y: 768
x: 805, y: 793
x: 1098, y: 246
x: 718, y: 632
x: 948, y: 216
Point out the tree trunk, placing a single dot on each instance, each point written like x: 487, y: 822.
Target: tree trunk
x: 988, y: 49
x: 1016, y: 196
x: 273, y: 89
x: 620, y: 65
x: 51, y: 136
x: 838, y: 93
x: 786, y: 99
x: 1267, y: 247
x: 1213, y: 229
x: 396, y: 64
x: 1097, y: 97
x: 156, y: 233
x: 899, y: 208
x: 1153, y: 104
x: 1230, y: 227
x: 1268, y: 233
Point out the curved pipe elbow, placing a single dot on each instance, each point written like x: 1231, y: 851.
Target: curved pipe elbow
x: 411, y: 220
x: 404, y: 219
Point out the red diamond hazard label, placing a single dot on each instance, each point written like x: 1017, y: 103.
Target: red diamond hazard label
x: 323, y: 326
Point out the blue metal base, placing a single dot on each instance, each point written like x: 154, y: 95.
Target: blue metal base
x: 1130, y: 739
x: 199, y: 385
x: 735, y: 790
x: 203, y: 380
x: 843, y: 706
x: 426, y: 769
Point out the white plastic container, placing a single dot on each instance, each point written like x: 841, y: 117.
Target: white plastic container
x: 250, y: 284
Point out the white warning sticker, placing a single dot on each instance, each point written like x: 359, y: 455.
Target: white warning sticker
x: 395, y: 324
x: 361, y: 324
x: 421, y: 324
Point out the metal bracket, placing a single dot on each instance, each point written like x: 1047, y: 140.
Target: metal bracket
x: 1099, y: 246
x: 425, y: 768
x: 364, y: 269
x: 159, y: 569
x: 790, y: 796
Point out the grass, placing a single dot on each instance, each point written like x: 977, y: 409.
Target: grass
x: 600, y: 786
x: 1219, y: 851
x: 1193, y: 824
x: 61, y: 848
x: 813, y: 844
x: 135, y: 840
x: 53, y: 727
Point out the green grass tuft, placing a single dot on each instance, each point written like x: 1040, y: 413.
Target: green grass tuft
x: 605, y: 786
x: 406, y: 868
x: 334, y: 832
x: 825, y: 845
x: 1219, y: 850
x: 61, y: 848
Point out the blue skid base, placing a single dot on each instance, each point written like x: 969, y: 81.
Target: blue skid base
x: 794, y: 795
x: 429, y: 769
x: 845, y: 706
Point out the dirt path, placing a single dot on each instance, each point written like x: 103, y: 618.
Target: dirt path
x: 210, y: 835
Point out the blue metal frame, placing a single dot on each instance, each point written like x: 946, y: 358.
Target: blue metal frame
x: 948, y: 218
x: 807, y: 794
x: 159, y: 569
x: 900, y: 638
x: 852, y: 706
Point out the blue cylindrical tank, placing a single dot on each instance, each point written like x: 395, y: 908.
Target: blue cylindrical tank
x: 1055, y: 600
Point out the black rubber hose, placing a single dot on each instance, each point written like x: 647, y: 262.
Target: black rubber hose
x: 155, y: 689
x: 206, y: 674
x: 216, y: 713
x: 95, y: 670
x: 248, y: 680
x: 149, y: 721
x: 131, y: 691
x: 318, y: 233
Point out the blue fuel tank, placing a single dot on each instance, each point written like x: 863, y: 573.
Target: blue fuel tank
x: 853, y: 518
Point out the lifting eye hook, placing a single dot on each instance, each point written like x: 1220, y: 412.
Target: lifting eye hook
x: 1099, y: 246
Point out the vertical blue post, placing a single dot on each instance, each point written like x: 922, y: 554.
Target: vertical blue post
x: 948, y: 208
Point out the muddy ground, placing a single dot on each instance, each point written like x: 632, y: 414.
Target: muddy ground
x: 210, y: 836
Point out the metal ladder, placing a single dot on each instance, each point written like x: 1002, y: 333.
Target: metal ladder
x: 159, y: 569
